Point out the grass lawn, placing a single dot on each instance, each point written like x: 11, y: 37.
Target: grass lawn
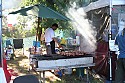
x: 20, y: 66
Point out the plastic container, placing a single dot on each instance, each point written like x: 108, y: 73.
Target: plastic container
x: 68, y: 71
x: 80, y: 72
x: 77, y: 40
x: 58, y: 72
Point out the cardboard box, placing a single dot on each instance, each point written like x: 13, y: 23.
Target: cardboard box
x: 37, y: 50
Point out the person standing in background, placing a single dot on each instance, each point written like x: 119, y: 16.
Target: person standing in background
x: 50, y: 39
x: 120, y: 64
x: 63, y: 41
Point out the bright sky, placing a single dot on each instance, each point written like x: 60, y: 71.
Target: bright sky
x: 12, y: 19
x: 8, y: 5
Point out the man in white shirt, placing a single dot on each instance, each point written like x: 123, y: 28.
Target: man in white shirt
x: 50, y: 39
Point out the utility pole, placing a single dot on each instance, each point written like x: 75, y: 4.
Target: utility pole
x: 110, y: 38
x: 1, y: 50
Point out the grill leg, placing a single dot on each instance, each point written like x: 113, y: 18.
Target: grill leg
x: 43, y: 76
x: 40, y: 76
x: 87, y: 75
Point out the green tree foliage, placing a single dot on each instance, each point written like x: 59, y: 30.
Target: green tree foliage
x: 21, y: 30
x: 60, y: 6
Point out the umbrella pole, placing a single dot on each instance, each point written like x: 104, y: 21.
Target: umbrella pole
x: 37, y: 30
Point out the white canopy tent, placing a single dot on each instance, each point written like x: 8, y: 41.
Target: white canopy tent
x: 102, y: 3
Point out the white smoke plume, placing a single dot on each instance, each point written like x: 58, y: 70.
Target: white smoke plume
x: 84, y: 27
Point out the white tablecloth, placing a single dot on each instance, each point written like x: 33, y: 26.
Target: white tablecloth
x: 2, y: 76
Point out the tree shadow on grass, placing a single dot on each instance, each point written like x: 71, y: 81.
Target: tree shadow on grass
x: 20, y: 65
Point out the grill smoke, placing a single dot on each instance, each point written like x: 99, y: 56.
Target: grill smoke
x: 84, y: 27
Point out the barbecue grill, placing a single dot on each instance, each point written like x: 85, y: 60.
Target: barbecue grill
x: 66, y: 58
